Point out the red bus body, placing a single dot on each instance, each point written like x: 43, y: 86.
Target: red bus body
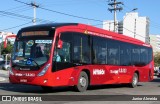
x: 98, y: 73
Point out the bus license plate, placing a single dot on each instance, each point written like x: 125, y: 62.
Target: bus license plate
x: 23, y: 80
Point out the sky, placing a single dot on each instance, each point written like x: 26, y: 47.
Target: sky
x: 15, y: 15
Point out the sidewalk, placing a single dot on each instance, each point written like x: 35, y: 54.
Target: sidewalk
x: 2, y: 79
x: 3, y: 75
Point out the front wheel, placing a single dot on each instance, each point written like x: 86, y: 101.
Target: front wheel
x: 82, y: 82
x: 134, y: 81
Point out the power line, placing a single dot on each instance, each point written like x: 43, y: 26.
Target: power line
x: 115, y: 9
x: 62, y: 13
x: 22, y: 16
x: 70, y: 15
x: 14, y: 8
x: 15, y: 26
x: 23, y: 2
x: 14, y: 14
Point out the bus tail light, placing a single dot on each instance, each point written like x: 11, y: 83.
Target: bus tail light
x: 44, y: 70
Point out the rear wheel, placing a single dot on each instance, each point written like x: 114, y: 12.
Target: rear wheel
x: 134, y: 81
x: 82, y: 82
x: 46, y: 88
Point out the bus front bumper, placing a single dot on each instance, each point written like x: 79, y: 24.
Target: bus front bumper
x: 40, y: 81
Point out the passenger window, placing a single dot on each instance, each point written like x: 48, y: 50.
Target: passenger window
x: 113, y: 53
x: 135, y: 55
x: 99, y: 54
x: 81, y: 48
x: 144, y: 56
x: 125, y: 54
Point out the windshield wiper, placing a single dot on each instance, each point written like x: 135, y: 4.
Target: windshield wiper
x: 33, y: 61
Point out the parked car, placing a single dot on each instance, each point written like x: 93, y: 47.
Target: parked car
x: 2, y: 64
x: 6, y: 66
x: 156, y: 69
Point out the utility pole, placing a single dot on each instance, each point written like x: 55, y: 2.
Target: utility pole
x: 34, y: 12
x: 115, y: 4
x: 135, y: 28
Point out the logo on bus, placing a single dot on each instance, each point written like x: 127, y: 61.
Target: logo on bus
x: 120, y: 70
x: 25, y: 74
x: 98, y: 71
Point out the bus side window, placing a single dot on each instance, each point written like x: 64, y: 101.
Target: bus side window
x: 65, y: 52
x: 81, y: 48
x: 113, y: 53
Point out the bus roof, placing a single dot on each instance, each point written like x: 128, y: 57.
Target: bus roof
x: 48, y: 26
x: 91, y: 29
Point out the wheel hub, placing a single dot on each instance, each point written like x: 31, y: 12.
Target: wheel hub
x: 135, y: 81
x: 83, y: 81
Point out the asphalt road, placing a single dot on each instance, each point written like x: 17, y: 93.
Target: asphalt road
x: 115, y: 93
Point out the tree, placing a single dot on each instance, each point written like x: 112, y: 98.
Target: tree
x: 157, y: 59
x: 6, y: 50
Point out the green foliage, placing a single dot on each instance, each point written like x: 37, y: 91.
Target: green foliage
x: 157, y: 59
x: 7, y: 50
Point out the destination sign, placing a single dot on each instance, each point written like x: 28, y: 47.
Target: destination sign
x: 35, y: 33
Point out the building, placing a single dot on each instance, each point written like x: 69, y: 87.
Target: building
x: 136, y: 27
x: 109, y: 25
x: 132, y: 26
x: 155, y: 42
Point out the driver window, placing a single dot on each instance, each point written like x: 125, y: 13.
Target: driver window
x: 63, y: 55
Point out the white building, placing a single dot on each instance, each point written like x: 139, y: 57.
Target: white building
x: 155, y: 42
x: 132, y: 26
x: 136, y: 27
x: 109, y: 25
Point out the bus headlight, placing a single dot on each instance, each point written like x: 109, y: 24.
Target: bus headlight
x: 44, y: 70
x: 10, y: 71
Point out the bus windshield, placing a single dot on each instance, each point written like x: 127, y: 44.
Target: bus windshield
x: 31, y: 52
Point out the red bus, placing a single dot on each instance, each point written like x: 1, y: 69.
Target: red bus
x: 79, y: 55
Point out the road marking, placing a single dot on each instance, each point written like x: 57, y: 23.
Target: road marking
x: 2, y: 79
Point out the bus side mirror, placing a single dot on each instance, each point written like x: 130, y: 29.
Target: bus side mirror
x: 60, y: 44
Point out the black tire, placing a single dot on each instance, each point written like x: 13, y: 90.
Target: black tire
x: 47, y: 88
x: 82, y: 82
x: 134, y: 82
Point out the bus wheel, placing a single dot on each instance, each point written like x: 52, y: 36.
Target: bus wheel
x: 82, y: 82
x: 134, y: 81
x: 46, y: 88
